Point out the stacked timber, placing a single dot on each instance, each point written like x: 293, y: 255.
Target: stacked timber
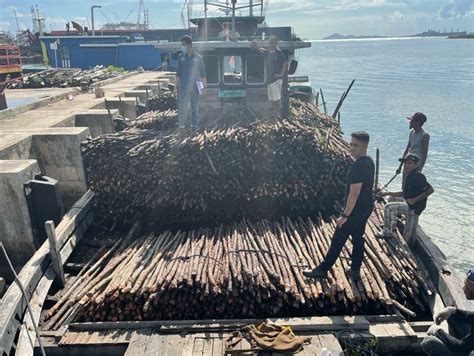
x: 156, y: 120
x: 64, y: 78
x: 241, y: 270
x: 294, y: 168
x: 165, y: 101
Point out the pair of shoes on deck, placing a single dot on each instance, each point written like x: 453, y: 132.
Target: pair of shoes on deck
x: 318, y: 274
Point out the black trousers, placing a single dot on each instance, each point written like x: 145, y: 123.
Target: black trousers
x: 355, y: 227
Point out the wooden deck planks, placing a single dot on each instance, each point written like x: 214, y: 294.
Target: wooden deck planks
x: 138, y: 342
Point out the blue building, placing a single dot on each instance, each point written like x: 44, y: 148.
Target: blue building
x: 88, y: 51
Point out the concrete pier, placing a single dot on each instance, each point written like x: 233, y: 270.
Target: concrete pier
x: 16, y: 232
x: 44, y: 136
x: 99, y: 121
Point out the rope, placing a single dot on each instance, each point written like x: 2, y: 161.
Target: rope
x: 187, y: 258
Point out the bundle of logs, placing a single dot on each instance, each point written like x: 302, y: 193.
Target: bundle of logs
x: 294, y: 168
x: 165, y: 101
x: 156, y: 120
x: 64, y: 78
x: 240, y: 270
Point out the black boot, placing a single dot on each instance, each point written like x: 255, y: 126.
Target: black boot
x: 316, y: 273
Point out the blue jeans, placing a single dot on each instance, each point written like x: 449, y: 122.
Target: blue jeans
x: 184, y: 99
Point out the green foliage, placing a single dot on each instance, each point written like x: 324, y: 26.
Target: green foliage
x: 112, y: 68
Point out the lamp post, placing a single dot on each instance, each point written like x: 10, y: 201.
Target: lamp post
x: 92, y: 17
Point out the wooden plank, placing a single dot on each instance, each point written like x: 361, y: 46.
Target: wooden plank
x: 74, y: 239
x: 175, y: 345
x: 157, y: 345
x: 218, y: 345
x: 313, y: 348
x: 358, y: 322
x: 24, y: 346
x: 198, y: 346
x: 397, y: 336
x: 138, y: 342
x: 12, y: 307
x: 208, y: 344
x: 330, y: 342
x: 56, y: 260
x: 188, y: 346
x: 169, y: 326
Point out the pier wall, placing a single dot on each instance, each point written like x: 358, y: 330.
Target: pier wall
x: 45, y: 138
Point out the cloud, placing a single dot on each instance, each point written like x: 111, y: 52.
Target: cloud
x: 12, y: 9
x: 457, y: 9
x: 395, y: 16
x: 4, y: 25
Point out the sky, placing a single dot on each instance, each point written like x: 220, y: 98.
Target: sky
x: 311, y: 19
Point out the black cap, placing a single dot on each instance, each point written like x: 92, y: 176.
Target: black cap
x: 410, y: 157
x: 419, y: 117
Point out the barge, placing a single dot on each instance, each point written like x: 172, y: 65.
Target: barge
x: 77, y: 243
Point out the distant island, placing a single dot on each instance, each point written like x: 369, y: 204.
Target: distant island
x: 337, y: 36
x: 429, y: 33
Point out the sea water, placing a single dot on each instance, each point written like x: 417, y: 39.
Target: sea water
x: 394, y: 79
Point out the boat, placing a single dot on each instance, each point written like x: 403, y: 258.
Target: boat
x: 300, y: 87
x: 233, y: 93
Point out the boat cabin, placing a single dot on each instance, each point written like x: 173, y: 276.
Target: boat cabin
x: 237, y: 73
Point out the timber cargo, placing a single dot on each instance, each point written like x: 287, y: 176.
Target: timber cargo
x: 170, y: 243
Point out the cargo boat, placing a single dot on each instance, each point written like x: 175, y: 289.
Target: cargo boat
x: 396, y: 332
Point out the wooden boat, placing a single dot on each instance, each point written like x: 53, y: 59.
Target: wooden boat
x: 51, y: 266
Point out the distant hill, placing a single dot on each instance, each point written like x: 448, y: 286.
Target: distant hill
x: 337, y: 36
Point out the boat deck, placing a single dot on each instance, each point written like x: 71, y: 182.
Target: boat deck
x: 392, y: 332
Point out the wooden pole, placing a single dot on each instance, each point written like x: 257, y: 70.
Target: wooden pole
x: 324, y: 102
x: 377, y: 166
x: 54, y: 250
x: 343, y: 97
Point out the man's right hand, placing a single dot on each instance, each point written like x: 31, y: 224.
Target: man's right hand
x: 444, y: 314
x: 399, y: 170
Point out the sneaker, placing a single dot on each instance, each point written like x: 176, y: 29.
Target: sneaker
x: 353, y: 273
x: 316, y: 273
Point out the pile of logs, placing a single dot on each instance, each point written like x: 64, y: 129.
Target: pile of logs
x: 64, y: 78
x: 163, y: 102
x: 241, y: 270
x: 294, y: 168
x: 156, y: 120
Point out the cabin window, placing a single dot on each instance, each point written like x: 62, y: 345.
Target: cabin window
x: 232, y: 69
x: 212, y: 69
x: 256, y: 69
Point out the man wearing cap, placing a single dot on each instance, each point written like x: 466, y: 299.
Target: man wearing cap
x: 415, y: 193
x: 439, y: 342
x: 418, y: 141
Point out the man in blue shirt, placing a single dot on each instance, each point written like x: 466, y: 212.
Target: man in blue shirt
x: 190, y: 82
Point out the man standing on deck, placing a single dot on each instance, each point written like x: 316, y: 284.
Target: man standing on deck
x: 190, y: 82
x: 359, y: 206
x: 418, y: 141
x: 415, y: 192
x: 277, y: 66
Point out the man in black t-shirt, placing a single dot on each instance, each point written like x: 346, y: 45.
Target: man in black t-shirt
x: 359, y: 205
x: 415, y: 193
x: 277, y: 67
